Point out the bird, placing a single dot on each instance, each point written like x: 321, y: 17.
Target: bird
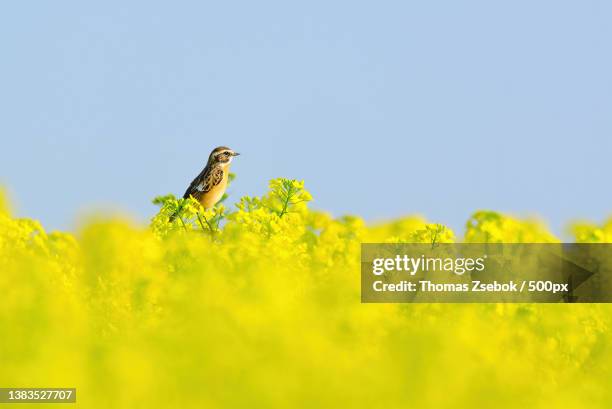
x: 209, y: 186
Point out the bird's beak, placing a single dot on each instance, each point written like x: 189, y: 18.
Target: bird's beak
x: 235, y: 154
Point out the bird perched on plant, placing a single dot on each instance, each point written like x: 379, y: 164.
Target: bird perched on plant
x: 209, y: 186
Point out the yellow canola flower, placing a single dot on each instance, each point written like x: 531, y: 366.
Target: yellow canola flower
x: 258, y: 306
x: 493, y: 227
x: 586, y: 232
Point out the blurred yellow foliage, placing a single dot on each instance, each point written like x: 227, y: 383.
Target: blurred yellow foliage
x: 4, y: 207
x: 493, y: 227
x: 261, y: 309
x: 591, y: 233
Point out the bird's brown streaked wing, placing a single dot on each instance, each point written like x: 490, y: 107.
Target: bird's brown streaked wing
x: 204, y: 182
x: 213, y: 179
x: 191, y: 190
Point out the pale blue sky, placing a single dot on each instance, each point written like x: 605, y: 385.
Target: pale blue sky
x: 385, y: 108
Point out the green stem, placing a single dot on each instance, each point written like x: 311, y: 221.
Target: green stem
x: 287, y: 200
x: 200, y: 221
x: 183, y: 223
x: 212, y: 232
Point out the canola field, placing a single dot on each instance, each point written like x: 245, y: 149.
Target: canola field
x: 257, y: 305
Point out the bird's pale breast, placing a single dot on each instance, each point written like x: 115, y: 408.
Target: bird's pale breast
x: 210, y: 198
